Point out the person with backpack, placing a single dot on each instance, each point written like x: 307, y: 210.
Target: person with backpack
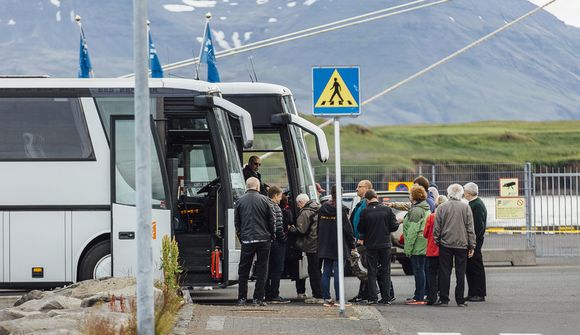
x: 327, y: 244
x: 415, y: 243
x: 307, y: 241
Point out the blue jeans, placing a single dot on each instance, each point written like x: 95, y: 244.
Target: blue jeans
x: 329, y: 268
x: 418, y: 264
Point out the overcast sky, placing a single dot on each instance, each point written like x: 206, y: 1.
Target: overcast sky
x: 566, y: 10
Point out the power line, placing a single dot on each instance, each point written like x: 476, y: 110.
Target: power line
x: 456, y: 53
x: 324, y: 28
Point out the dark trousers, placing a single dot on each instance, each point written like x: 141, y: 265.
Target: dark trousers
x: 275, y: 269
x: 363, y: 290
x: 418, y: 264
x: 446, y: 258
x: 262, y: 252
x: 475, y: 273
x: 379, y: 270
x: 314, y: 274
x: 433, y: 275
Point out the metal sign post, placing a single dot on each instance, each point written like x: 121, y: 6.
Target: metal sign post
x: 336, y: 92
x: 145, y: 303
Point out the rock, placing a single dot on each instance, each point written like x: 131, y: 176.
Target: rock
x: 37, y: 326
x: 61, y: 302
x: 32, y: 295
x: 128, y: 293
x: 88, y: 288
x: 17, y: 313
x: 114, y: 321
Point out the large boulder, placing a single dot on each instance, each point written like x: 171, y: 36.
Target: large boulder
x: 88, y: 288
x: 37, y: 326
x: 50, y: 302
x: 32, y: 295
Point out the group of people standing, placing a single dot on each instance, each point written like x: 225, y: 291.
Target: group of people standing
x: 436, y: 234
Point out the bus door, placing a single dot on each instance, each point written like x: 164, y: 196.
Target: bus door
x: 207, y: 177
x: 124, y: 216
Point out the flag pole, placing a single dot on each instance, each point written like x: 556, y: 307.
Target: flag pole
x: 78, y: 20
x: 207, y: 18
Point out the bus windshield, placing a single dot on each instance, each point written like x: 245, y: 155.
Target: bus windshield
x: 231, y: 157
x: 305, y: 174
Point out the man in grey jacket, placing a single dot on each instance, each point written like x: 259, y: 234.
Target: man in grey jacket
x: 454, y: 233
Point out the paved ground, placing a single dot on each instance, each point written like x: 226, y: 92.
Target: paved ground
x: 544, y: 299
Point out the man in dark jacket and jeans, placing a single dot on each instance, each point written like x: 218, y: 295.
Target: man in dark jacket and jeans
x: 328, y: 244
x: 376, y: 224
x: 256, y: 229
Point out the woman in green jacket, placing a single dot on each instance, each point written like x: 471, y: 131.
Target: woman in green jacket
x: 415, y: 243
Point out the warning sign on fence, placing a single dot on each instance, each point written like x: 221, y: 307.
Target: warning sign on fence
x: 510, y: 208
x: 509, y: 187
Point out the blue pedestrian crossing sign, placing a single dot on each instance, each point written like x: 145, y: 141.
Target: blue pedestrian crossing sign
x: 336, y: 91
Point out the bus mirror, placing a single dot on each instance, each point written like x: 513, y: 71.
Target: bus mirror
x: 241, y: 114
x: 314, y: 130
x: 281, y: 118
x: 203, y: 101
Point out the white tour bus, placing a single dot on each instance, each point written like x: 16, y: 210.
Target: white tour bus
x: 67, y: 179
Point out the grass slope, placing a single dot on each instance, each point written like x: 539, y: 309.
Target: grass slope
x: 552, y: 143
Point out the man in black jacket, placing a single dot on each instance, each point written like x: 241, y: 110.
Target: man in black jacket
x: 251, y: 170
x: 256, y: 229
x: 475, y: 271
x: 376, y: 224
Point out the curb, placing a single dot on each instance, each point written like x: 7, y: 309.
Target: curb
x: 184, y: 316
x: 371, y: 313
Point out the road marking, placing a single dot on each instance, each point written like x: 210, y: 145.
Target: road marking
x: 438, y: 333
x: 519, y: 334
x: 215, y: 323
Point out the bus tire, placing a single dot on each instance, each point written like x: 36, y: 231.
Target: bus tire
x: 96, y: 254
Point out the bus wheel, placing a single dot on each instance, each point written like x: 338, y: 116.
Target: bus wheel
x: 97, y: 262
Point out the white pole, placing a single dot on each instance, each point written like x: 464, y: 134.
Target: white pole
x: 339, y: 216
x: 145, y: 306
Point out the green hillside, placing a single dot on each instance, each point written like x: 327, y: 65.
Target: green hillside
x: 552, y: 143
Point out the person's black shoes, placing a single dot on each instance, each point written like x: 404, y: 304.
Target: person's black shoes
x: 372, y: 302
x: 242, y: 301
x: 385, y: 301
x: 356, y: 300
x: 461, y: 305
x: 280, y: 300
x: 443, y: 304
x: 475, y: 298
x: 259, y: 303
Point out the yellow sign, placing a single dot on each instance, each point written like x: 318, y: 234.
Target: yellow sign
x: 336, y: 93
x: 510, y: 208
x: 509, y: 187
x: 403, y: 186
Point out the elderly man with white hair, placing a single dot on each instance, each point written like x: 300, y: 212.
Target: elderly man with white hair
x: 475, y: 270
x: 454, y: 233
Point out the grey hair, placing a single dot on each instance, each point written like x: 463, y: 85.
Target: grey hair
x: 302, y: 197
x: 252, y: 183
x: 455, y: 191
x: 471, y: 188
x: 440, y: 199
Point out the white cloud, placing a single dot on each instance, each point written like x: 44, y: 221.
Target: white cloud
x: 565, y: 10
x: 272, y: 20
x: 291, y: 4
x: 309, y: 2
x: 261, y: 2
x: 200, y: 4
x: 55, y: 2
x: 223, y: 18
x: 58, y: 16
x: 11, y: 22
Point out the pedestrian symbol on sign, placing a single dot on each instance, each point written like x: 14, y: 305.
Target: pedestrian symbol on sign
x: 332, y: 90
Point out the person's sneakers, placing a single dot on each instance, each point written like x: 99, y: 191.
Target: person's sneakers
x: 242, y: 301
x: 415, y: 302
x: 372, y: 302
x: 329, y: 303
x: 476, y: 299
x: 443, y: 304
x: 280, y: 300
x: 392, y: 299
x: 356, y: 300
x: 430, y: 303
x: 462, y: 305
x: 314, y: 301
x: 259, y: 303
x: 301, y: 296
x: 385, y: 301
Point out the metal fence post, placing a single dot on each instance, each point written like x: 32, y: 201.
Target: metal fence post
x: 327, y: 180
x: 433, y: 180
x: 528, y: 195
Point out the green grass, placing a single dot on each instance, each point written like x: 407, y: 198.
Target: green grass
x: 549, y: 143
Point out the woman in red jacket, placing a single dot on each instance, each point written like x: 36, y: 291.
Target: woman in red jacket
x: 432, y: 254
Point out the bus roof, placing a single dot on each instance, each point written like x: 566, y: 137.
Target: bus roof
x: 185, y: 84
x: 253, y: 88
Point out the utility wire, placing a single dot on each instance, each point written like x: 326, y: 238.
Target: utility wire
x: 456, y: 53
x: 340, y: 24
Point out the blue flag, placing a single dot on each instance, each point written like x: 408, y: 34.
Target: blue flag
x: 85, y: 68
x: 154, y: 63
x: 208, y: 56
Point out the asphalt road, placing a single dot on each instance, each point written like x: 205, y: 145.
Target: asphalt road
x: 543, y: 299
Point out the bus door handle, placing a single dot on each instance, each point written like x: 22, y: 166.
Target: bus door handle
x: 126, y: 235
